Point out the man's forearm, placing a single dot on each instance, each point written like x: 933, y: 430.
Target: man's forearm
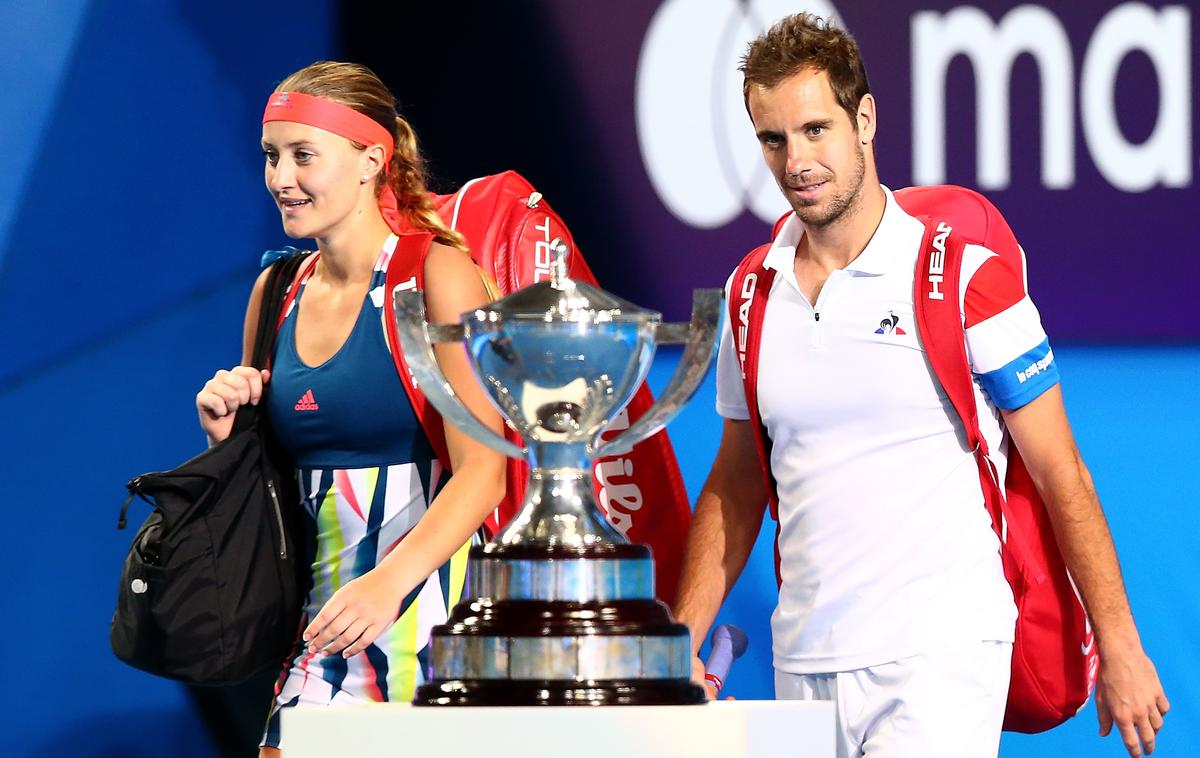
x: 1087, y: 546
x: 1128, y: 691
x: 719, y: 543
x: 1042, y: 434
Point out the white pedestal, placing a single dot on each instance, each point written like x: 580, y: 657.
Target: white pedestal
x: 724, y: 729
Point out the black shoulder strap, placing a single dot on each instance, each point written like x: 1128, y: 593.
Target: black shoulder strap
x: 279, y: 278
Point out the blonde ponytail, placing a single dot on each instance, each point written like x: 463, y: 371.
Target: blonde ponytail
x: 406, y: 176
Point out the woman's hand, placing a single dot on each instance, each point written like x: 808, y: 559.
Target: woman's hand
x: 356, y: 614
x: 218, y: 401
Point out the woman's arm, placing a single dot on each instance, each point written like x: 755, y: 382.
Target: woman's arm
x: 358, y: 612
x: 217, y: 402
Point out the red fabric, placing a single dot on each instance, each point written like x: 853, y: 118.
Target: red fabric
x: 995, y: 288
x: 642, y: 492
x: 406, y: 271
x: 1055, y: 661
x: 747, y: 303
x: 339, y: 119
x: 389, y: 208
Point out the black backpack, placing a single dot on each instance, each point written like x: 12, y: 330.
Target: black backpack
x: 212, y: 587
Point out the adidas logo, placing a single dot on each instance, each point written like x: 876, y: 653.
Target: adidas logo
x: 307, y: 402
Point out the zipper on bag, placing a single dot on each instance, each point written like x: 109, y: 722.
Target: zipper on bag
x: 133, y: 486
x: 278, y: 518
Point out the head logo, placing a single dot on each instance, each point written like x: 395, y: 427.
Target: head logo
x: 743, y: 330
x: 696, y: 140
x: 937, y: 261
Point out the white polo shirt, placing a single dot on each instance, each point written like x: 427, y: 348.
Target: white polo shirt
x: 886, y: 548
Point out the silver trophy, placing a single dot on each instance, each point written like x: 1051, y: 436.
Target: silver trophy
x: 560, y: 607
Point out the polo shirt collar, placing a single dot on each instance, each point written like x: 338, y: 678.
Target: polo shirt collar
x: 875, y: 259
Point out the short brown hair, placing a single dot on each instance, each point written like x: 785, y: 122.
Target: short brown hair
x: 804, y: 41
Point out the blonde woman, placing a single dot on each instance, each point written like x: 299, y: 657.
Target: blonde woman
x: 387, y: 527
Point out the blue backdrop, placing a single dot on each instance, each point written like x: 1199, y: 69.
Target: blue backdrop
x: 131, y: 219
x: 132, y: 215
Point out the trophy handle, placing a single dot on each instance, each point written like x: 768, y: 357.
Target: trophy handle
x: 700, y: 336
x: 416, y: 340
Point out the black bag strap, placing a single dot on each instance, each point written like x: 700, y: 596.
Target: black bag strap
x: 279, y: 278
x: 282, y: 272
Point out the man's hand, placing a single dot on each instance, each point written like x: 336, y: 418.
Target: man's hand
x: 1129, y: 695
x: 724, y: 526
x: 1128, y: 692
x: 710, y: 692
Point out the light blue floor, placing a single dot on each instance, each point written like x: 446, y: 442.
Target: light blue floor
x: 1133, y: 411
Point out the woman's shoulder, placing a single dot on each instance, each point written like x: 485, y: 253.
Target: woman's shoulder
x: 444, y: 255
x: 453, y: 282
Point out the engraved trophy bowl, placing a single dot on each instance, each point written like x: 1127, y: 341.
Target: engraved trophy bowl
x: 560, y: 607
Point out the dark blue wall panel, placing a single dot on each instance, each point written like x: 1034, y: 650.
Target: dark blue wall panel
x: 132, y: 219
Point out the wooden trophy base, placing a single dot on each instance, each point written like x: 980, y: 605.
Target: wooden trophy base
x: 507, y: 692
x: 521, y: 641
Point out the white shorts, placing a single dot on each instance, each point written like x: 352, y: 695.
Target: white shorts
x: 948, y: 703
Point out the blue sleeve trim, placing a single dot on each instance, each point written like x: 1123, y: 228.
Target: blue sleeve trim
x: 1023, y: 379
x: 271, y: 256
